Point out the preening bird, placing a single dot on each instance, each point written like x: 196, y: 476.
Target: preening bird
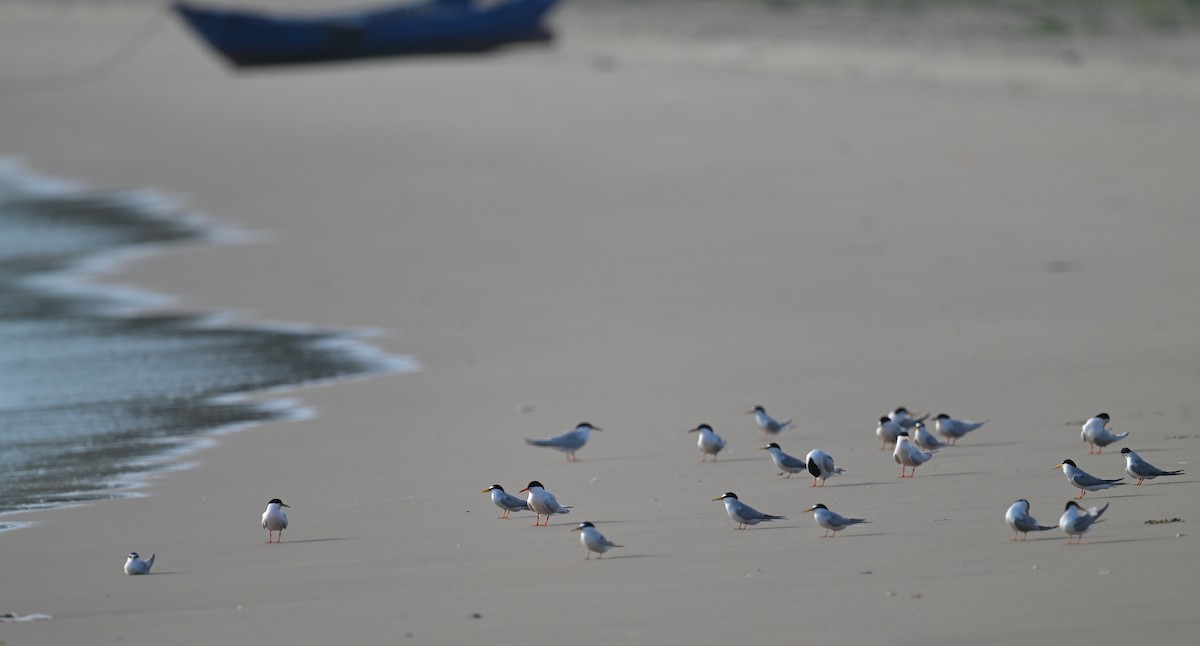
x: 1097, y: 436
x: 820, y: 466
x: 1076, y: 522
x: 1021, y: 522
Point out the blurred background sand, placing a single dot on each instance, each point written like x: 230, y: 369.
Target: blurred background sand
x: 661, y: 220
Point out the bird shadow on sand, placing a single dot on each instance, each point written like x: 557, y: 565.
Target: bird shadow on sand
x: 762, y: 526
x: 624, y: 556
x: 761, y: 458
x: 972, y: 445
x: 938, y: 474
x: 1127, y: 540
x: 1159, y: 483
x: 1110, y: 496
x: 856, y: 535
x: 312, y: 540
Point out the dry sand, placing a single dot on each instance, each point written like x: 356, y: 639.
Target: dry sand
x: 649, y: 229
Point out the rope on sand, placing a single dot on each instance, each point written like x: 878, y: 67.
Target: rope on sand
x: 95, y: 71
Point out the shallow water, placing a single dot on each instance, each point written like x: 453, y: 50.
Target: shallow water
x: 93, y: 394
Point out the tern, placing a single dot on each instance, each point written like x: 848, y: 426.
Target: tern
x: 543, y: 503
x: 820, y: 466
x: 907, y: 454
x: 744, y: 514
x: 1021, y: 522
x: 887, y: 430
x: 769, y: 425
x: 787, y: 464
x: 593, y: 540
x: 135, y: 565
x: 1085, y: 481
x: 1097, y: 436
x: 709, y: 442
x: 274, y: 520
x: 952, y: 429
x: 831, y: 521
x: 904, y: 420
x: 924, y: 438
x: 1138, y: 468
x: 568, y: 442
x: 1077, y: 522
x: 505, y: 500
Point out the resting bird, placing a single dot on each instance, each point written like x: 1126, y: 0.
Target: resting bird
x: 709, y: 442
x: 887, y: 430
x: 907, y: 454
x: 787, y: 464
x: 769, y: 425
x: 952, y: 429
x: 1077, y: 522
x: 820, y: 466
x: 904, y: 420
x: 1097, y: 436
x: 744, y: 514
x: 831, y: 521
x: 543, y: 503
x: 568, y: 442
x: 135, y: 565
x: 274, y: 520
x: 1085, y: 481
x: 1021, y: 522
x: 924, y: 438
x: 593, y: 540
x: 1138, y: 468
x: 506, y: 501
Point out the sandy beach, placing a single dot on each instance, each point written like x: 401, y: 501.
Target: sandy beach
x: 649, y: 225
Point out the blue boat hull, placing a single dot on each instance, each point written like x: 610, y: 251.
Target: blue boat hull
x: 439, y: 26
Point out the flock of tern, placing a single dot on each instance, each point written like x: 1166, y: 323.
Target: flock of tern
x: 913, y: 445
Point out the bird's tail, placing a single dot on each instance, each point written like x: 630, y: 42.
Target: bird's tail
x: 1172, y: 473
x: 149, y: 562
x: 838, y: 470
x: 785, y: 423
x: 537, y: 442
x: 564, y: 510
x: 770, y: 517
x: 1097, y: 512
x: 1120, y: 436
x: 1042, y: 528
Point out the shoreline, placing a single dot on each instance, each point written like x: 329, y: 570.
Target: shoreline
x: 52, y: 289
x: 650, y: 245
